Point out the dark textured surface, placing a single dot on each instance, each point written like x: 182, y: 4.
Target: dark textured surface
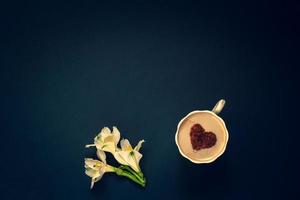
x: 67, y: 70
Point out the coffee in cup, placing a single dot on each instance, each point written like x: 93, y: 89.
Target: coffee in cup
x: 202, y: 136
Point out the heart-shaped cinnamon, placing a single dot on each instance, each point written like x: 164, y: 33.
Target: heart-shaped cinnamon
x: 201, y: 139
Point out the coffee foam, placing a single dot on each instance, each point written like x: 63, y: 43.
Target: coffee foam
x: 209, y: 122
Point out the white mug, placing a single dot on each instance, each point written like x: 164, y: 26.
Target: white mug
x: 211, y: 122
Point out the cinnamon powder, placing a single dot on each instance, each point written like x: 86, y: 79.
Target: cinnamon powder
x: 201, y: 139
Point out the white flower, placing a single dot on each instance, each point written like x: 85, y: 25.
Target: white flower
x: 95, y: 169
x: 106, y: 141
x: 129, y: 156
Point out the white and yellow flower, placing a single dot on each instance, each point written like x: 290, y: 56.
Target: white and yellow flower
x: 95, y: 169
x: 129, y: 156
x: 106, y: 140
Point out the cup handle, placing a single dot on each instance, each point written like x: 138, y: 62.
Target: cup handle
x: 219, y: 106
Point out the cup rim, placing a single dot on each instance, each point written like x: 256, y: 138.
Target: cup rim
x: 217, y: 155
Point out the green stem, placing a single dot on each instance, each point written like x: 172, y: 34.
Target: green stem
x: 138, y: 175
x: 121, y: 172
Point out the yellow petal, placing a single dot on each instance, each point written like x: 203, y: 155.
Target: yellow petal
x: 93, y: 164
x: 125, y: 145
x: 101, y: 155
x: 105, y: 132
x: 106, y: 146
x: 116, y: 134
x: 137, y: 157
x: 109, y: 138
x: 91, y: 173
x: 119, y: 158
x: 139, y: 145
x: 109, y: 147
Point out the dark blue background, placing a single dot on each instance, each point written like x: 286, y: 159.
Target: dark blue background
x: 68, y: 69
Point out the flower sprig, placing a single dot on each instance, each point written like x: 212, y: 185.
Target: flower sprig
x: 128, y: 157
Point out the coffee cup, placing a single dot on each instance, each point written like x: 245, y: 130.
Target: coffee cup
x: 211, y: 122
